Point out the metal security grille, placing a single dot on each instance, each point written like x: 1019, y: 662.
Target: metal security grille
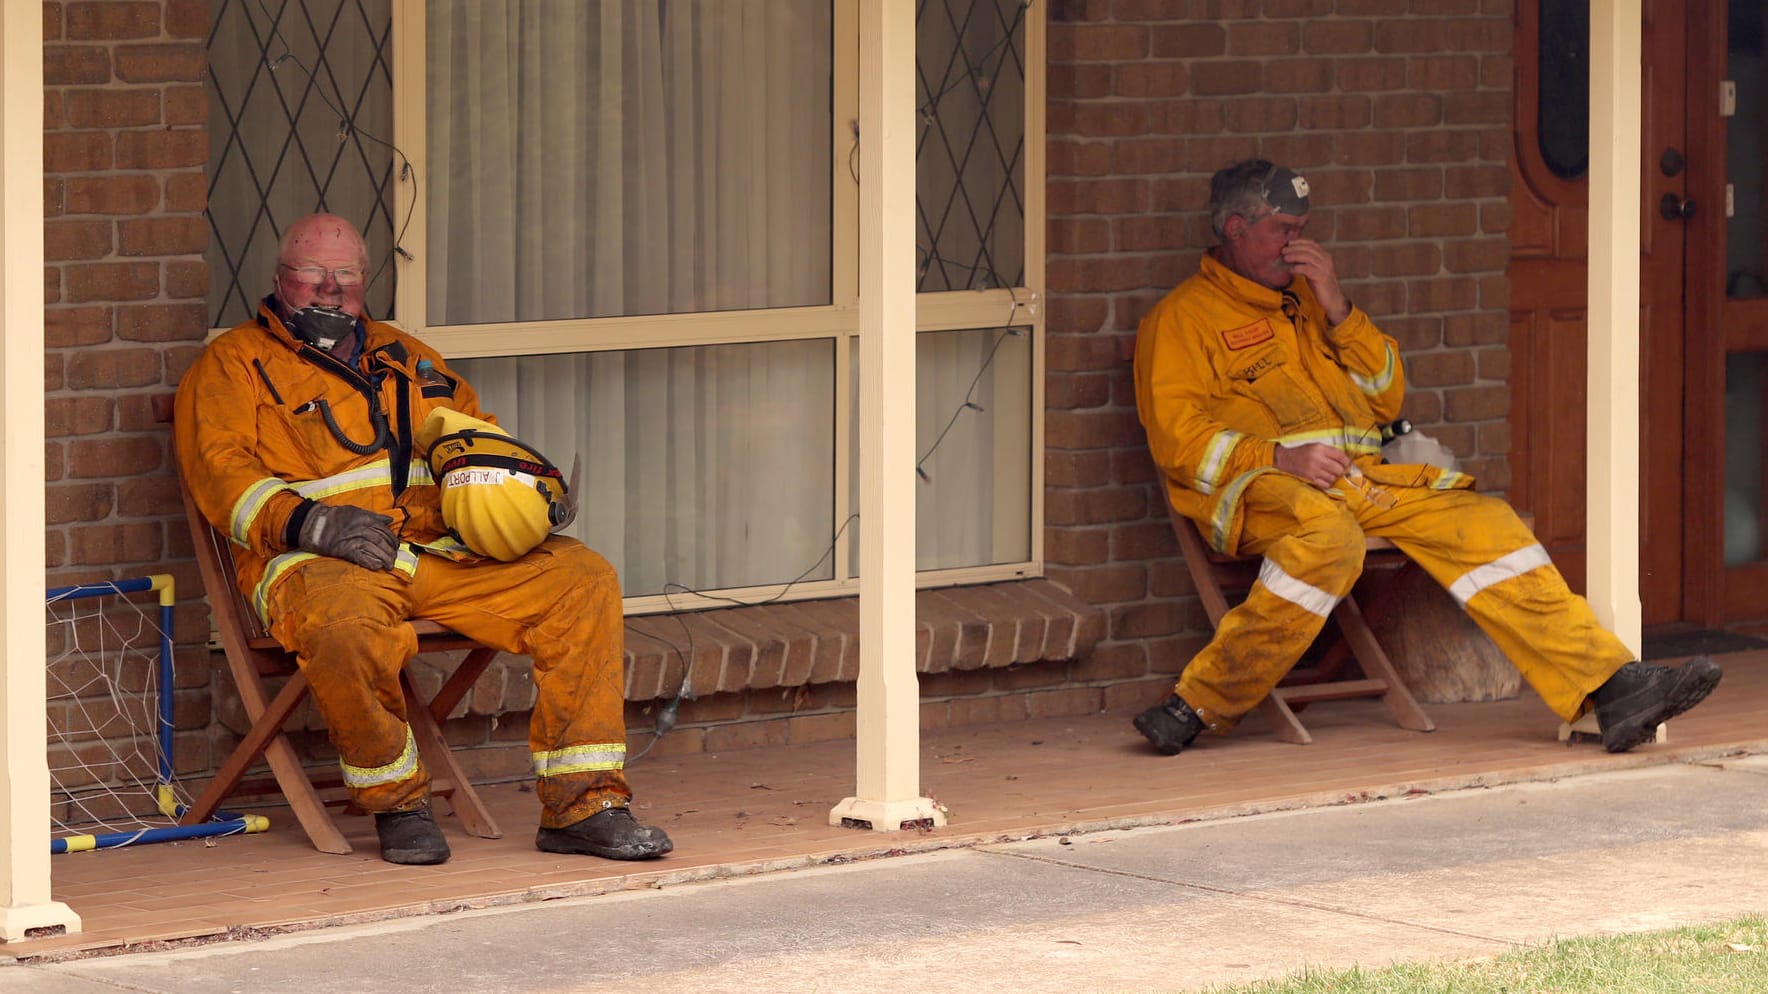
x: 300, y: 109
x: 970, y: 158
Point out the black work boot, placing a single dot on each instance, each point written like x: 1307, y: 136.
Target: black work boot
x: 411, y: 837
x: 610, y: 834
x: 1640, y: 696
x: 1169, y: 725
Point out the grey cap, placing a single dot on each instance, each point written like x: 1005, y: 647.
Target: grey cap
x: 1286, y: 191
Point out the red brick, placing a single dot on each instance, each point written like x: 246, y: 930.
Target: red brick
x: 821, y: 727
x: 1077, y: 391
x: 111, y: 368
x: 1079, y: 235
x: 1214, y: 153
x: 1477, y: 403
x: 1220, y: 79
x: 1422, y: 407
x: 1438, y: 73
x: 186, y: 279
x: 1151, y: 79
x: 1149, y: 620
x: 1300, y: 150
x: 1477, y: 255
x: 1074, y: 318
x: 1334, y: 113
x: 1150, y: 233
x: 1400, y: 110
x: 1264, y: 38
x: 1079, y: 158
x: 54, y: 116
x: 107, y: 281
x: 63, y: 240
x: 53, y: 16
x: 1075, y: 469
x: 1415, y: 334
x: 112, y: 108
x: 1442, y: 219
x: 1097, y: 42
x: 1180, y: 194
x: 84, y: 415
x: 163, y: 236
x: 51, y: 284
x: 1440, y: 369
x: 113, y: 457
x: 1111, y: 584
x: 162, y: 149
x: 116, y: 544
x: 1452, y: 293
x: 1494, y: 218
x: 1497, y: 71
x: 1408, y: 259
x: 1494, y: 364
x: 186, y: 104
x: 76, y: 151
x: 1373, y: 149
x: 1476, y: 108
x: 1186, y: 117
x: 187, y: 19
x: 1484, y: 34
x: 187, y: 193
x: 1422, y: 183
x: 182, y: 62
x: 111, y: 194
x: 162, y: 322
x: 1079, y: 80
x: 1092, y: 429
x: 1370, y: 75
x: 73, y: 65
x: 66, y: 503
x: 144, y: 411
x: 1473, y: 182
x: 111, y: 20
x: 1097, y: 196
x: 1494, y: 292
x: 1463, y: 330
x: 1287, y: 9
x: 1371, y: 223
x: 68, y: 327
x: 1260, y: 114
x: 1337, y: 37
x: 1409, y: 35
x: 1077, y: 546
x: 1442, y: 146
x: 1189, y: 41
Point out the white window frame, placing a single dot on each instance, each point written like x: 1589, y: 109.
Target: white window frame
x: 837, y: 321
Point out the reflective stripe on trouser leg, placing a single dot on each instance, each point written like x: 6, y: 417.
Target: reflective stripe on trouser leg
x: 347, y: 628
x: 560, y: 606
x: 1313, y: 553
x: 1482, y: 553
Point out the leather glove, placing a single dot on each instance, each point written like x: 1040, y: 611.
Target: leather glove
x: 352, y: 533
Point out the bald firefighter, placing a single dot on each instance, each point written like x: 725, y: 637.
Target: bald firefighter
x: 295, y: 434
x: 1262, y: 390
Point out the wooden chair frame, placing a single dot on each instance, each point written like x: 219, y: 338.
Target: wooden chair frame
x: 1212, y: 573
x: 252, y: 654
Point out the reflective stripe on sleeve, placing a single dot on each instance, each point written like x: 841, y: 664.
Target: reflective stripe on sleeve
x: 403, y: 768
x: 376, y: 474
x: 249, y: 505
x: 1303, y: 595
x: 593, y: 758
x: 1515, y: 564
x: 1374, y: 386
x: 1215, y: 459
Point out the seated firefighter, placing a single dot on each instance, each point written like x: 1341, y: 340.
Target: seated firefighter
x: 1262, y: 389
x: 302, y: 436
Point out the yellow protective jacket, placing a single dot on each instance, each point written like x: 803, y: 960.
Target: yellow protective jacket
x: 257, y: 425
x: 1226, y: 370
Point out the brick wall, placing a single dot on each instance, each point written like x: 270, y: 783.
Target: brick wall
x: 1397, y: 111
x: 125, y: 146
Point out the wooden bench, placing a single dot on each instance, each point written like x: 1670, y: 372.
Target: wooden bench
x: 252, y: 655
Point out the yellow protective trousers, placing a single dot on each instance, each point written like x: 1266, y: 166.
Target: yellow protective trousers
x: 1312, y: 542
x: 558, y: 605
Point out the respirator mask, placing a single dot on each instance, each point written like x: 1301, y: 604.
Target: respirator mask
x: 321, y: 327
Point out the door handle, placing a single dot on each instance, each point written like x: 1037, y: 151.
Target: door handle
x: 1674, y: 208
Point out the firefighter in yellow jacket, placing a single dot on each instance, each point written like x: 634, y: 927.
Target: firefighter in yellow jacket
x: 1263, y: 390
x: 295, y: 434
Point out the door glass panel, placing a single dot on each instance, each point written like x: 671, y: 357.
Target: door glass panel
x: 1744, y: 436
x: 1744, y: 163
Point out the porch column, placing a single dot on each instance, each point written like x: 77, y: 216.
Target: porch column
x: 1613, y: 469
x: 24, y: 768
x: 889, y: 729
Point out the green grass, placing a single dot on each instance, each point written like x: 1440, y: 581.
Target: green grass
x: 1725, y: 958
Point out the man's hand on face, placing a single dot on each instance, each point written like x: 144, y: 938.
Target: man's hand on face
x: 1320, y: 465
x: 1305, y: 256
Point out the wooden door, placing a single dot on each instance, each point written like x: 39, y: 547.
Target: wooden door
x: 1549, y: 198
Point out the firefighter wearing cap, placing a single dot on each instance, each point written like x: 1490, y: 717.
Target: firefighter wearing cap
x: 1262, y: 390
x: 295, y: 434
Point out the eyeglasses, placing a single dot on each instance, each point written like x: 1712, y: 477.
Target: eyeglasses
x: 315, y: 275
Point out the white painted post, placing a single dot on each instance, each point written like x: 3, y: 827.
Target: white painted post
x: 1612, y: 536
x: 24, y: 767
x: 889, y: 721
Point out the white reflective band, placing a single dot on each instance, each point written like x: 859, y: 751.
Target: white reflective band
x: 399, y: 769
x: 1515, y: 564
x: 374, y: 474
x: 249, y: 504
x: 592, y: 758
x: 1373, y: 385
x: 1303, y: 595
x: 1215, y: 459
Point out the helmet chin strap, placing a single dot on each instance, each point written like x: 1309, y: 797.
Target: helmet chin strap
x: 321, y: 327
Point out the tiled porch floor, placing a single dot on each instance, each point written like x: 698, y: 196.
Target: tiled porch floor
x: 767, y: 809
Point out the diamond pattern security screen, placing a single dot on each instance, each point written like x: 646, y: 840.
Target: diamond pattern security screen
x: 970, y: 157
x: 300, y: 112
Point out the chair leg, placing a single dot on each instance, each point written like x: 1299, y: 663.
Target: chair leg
x: 1288, y: 726
x: 1377, y: 666
x: 445, y: 770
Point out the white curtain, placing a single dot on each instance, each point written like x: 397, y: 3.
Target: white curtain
x: 621, y: 158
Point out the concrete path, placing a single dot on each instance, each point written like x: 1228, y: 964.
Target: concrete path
x: 1466, y: 874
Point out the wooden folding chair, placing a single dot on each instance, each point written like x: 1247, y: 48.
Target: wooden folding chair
x: 252, y: 654
x: 1214, y: 573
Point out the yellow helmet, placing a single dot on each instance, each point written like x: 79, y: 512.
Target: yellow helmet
x: 498, y: 494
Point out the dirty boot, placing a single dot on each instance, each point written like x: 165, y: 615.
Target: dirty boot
x: 1640, y: 696
x: 1169, y: 725
x: 411, y: 837
x: 610, y: 834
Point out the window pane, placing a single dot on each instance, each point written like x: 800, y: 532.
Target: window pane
x: 1745, y: 231
x: 623, y: 158
x: 973, y: 440
x: 1563, y: 101
x: 1744, y: 439
x: 702, y: 467
x: 282, y: 77
x: 970, y: 162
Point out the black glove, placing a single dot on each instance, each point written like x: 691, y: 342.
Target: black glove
x: 352, y: 533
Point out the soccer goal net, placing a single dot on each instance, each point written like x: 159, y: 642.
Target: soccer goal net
x: 109, y: 689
